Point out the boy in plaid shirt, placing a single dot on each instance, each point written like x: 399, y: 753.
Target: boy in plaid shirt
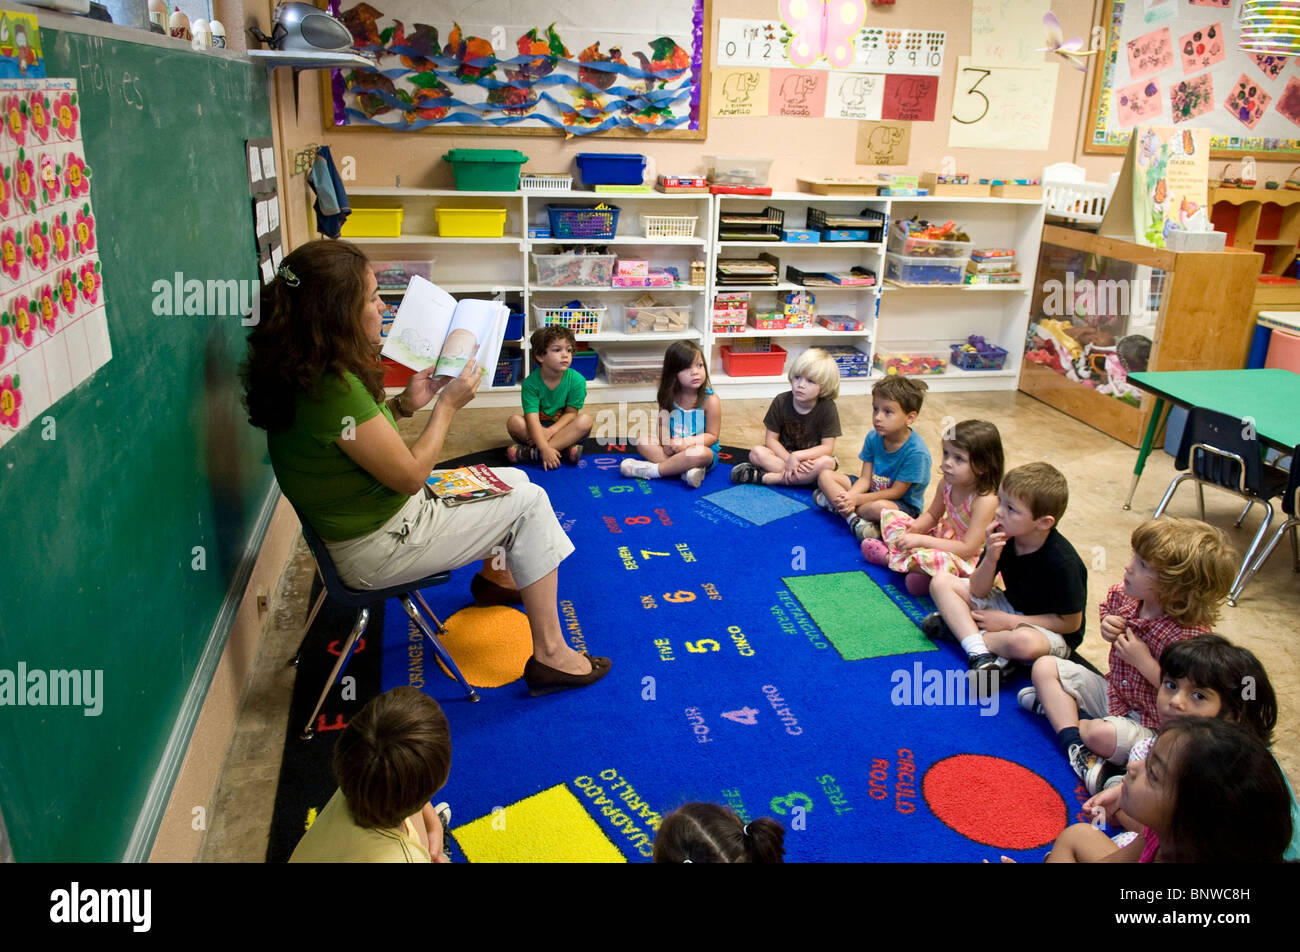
x: 1180, y: 571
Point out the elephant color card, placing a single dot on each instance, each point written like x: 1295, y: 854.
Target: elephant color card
x: 854, y: 95
x: 910, y: 98
x: 797, y: 92
x: 738, y: 93
x: 883, y: 143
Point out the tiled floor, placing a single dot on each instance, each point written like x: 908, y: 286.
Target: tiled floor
x: 1099, y: 469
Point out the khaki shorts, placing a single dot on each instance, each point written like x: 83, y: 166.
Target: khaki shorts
x: 1091, y: 692
x: 427, y: 536
x: 996, y: 600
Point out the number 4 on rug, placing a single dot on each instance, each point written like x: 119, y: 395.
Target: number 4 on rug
x: 746, y: 715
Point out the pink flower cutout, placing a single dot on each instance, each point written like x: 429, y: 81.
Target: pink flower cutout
x: 49, y: 179
x: 38, y: 112
x: 46, y: 310
x: 61, y: 237
x: 76, y: 176
x: 11, y: 253
x: 25, y: 182
x: 83, y: 229
x: 15, y: 119
x: 4, y: 336
x: 67, y: 289
x: 11, y: 398
x: 6, y: 192
x: 90, y: 282
x: 38, y: 246
x: 21, y: 320
x: 65, y: 115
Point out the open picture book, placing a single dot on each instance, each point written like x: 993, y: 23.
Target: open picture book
x: 433, y: 328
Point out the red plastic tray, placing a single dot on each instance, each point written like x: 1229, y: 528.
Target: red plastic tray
x: 753, y: 364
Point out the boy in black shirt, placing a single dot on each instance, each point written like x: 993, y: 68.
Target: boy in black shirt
x: 1040, y: 612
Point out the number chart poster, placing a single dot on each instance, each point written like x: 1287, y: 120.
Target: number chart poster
x: 758, y: 662
x: 1179, y: 65
x: 483, y: 65
x: 53, y: 330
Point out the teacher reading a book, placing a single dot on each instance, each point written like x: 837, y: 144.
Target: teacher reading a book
x: 313, y: 381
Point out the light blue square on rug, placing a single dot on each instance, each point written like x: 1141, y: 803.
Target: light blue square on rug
x: 757, y: 504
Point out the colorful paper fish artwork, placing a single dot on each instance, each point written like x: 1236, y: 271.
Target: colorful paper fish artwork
x: 822, y: 28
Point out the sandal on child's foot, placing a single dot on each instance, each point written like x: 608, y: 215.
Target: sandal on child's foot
x: 521, y: 453
x: 875, y: 551
x: 863, y: 530
x: 575, y: 453
x: 916, y: 583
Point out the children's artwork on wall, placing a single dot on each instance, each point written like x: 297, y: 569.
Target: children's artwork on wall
x: 1144, y: 79
x: 1288, y: 104
x: 53, y: 331
x: 1003, y: 108
x: 738, y: 92
x: 484, y: 64
x: 910, y: 98
x: 797, y: 92
x: 854, y: 95
x: 883, y: 143
x: 1006, y: 33
x: 20, y: 46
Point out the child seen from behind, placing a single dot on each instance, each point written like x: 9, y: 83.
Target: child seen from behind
x: 690, y: 419
x: 709, y: 833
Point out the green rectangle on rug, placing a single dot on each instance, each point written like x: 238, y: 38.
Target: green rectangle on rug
x: 859, y: 619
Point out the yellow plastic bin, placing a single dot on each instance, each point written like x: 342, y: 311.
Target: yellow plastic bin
x: 471, y: 222
x: 373, y: 223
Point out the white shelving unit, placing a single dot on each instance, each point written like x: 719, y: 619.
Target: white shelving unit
x: 931, y: 317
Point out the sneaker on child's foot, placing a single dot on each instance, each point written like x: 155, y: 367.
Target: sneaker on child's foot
x: 983, y: 662
x: 934, y: 627
x: 575, y: 453
x: 819, y: 498
x: 746, y: 473
x: 1028, y: 698
x: 638, y: 468
x: 521, y: 453
x: 1087, y: 766
x: 694, y: 476
x: 863, y: 530
x: 1112, y: 781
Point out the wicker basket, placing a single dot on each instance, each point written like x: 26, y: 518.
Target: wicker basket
x: 669, y: 226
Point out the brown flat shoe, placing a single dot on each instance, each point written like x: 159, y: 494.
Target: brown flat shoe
x: 543, y: 679
x: 488, y: 592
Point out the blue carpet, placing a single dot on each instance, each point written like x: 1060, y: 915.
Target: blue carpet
x: 727, y: 686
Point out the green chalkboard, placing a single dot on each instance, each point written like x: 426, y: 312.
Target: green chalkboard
x: 124, y: 533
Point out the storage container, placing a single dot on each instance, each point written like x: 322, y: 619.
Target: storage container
x: 509, y: 365
x: 737, y: 170
x: 396, y: 275
x: 585, y: 363
x: 800, y: 236
x: 580, y: 320
x: 994, y: 359
x: 908, y: 270
x: 904, y: 243
x: 852, y: 361
x: 910, y: 359
x: 660, y: 319
x: 611, y: 168
x: 395, y: 375
x: 471, y: 222
x: 486, y: 170
x: 632, y: 366
x: 868, y: 225
x: 545, y: 182
x: 574, y: 271
x: 514, y: 326
x: 373, y: 223
x: 754, y: 363
x: 583, y: 221
x: 669, y: 226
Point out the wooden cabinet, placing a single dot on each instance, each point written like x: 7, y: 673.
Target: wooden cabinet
x: 1195, y: 307
x: 1260, y: 219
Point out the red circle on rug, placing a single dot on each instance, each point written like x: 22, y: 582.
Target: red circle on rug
x: 994, y: 801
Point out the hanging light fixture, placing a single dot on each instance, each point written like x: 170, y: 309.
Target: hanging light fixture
x: 1270, y: 26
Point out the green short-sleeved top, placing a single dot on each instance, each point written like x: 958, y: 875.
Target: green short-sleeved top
x: 536, y: 397
x: 339, y: 498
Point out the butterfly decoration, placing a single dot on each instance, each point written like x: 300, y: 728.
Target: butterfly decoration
x: 1070, y: 50
x: 822, y: 28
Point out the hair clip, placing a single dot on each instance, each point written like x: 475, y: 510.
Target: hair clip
x: 290, y: 278
x: 744, y: 830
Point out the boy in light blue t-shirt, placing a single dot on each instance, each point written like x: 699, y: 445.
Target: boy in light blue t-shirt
x: 895, y: 462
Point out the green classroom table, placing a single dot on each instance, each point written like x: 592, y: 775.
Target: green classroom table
x: 1271, y: 398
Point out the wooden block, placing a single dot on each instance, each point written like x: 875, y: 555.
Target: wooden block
x: 1017, y: 191
x: 832, y: 186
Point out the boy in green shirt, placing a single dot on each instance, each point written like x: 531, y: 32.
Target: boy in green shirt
x: 552, y: 398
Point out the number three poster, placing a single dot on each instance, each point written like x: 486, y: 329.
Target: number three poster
x: 1002, y: 108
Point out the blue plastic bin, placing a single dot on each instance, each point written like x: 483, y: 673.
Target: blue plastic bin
x: 508, y: 367
x: 611, y: 168
x: 584, y: 362
x: 514, y: 327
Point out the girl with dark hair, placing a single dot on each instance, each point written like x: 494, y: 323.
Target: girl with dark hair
x: 690, y: 419
x: 709, y: 833
x: 313, y: 382
x: 948, y: 537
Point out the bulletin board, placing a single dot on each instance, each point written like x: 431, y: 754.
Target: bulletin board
x: 1175, y: 62
x: 496, y: 66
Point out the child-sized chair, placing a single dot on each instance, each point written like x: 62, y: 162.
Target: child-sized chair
x: 1221, y: 450
x: 1290, y: 507
x: 361, y: 600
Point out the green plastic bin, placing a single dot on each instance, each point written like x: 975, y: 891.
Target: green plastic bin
x: 486, y: 170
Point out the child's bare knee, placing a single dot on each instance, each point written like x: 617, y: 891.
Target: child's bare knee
x: 1045, y: 672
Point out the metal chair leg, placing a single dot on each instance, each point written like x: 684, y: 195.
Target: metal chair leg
x: 1294, y: 525
x: 1242, y: 518
x: 358, y: 629
x: 306, y: 629
x: 1169, y: 493
x: 1249, y: 563
x: 438, y: 626
x: 438, y: 648
x: 1200, y: 499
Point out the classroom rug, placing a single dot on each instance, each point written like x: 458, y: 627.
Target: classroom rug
x: 758, y: 662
